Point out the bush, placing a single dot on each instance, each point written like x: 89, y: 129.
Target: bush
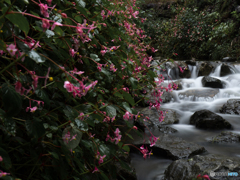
x: 70, y: 72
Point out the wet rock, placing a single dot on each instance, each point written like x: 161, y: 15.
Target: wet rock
x: 179, y: 84
x: 226, y: 137
x: 229, y: 59
x: 123, y: 172
x: 206, y: 119
x: 185, y: 74
x: 231, y: 107
x: 171, y: 117
x: 187, y: 169
x: 166, y: 129
x: 191, y: 62
x: 212, y: 82
x: 205, y: 69
x: 225, y: 70
x: 199, y: 94
x: 172, y: 147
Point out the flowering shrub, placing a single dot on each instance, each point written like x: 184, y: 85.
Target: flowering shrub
x: 69, y: 75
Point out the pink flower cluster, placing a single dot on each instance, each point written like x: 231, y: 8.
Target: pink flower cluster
x: 67, y: 137
x: 145, y: 152
x: 117, y: 136
x: 79, y: 91
x: 100, y: 158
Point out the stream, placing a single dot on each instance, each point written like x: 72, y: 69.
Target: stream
x: 153, y: 168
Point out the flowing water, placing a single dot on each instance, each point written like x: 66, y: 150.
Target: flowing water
x: 185, y: 106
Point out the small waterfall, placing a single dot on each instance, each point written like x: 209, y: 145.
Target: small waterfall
x: 217, y: 71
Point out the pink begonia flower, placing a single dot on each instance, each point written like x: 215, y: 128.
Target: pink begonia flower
x: 2, y: 174
x: 33, y: 109
x: 73, y: 137
x: 45, y: 24
x: 153, y: 140
x: 55, y: 24
x: 75, y: 71
x: 135, y: 14
x: 135, y: 127
x: 72, y: 52
x: 112, y: 68
x: 103, y: 52
x: 126, y: 116
x: 49, y: 2
x: 66, y: 137
x: 68, y: 86
x: 95, y: 170
x: 206, y: 177
x: 18, y: 87
x: 1, y: 159
x: 35, y: 81
x: 64, y: 15
x: 12, y: 49
x: 101, y: 158
x: 44, y: 10
x: 144, y: 152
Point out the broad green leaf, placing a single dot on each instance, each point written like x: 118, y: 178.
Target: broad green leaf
x: 127, y: 107
x: 36, y: 57
x: 8, y: 1
x: 11, y: 99
x: 19, y: 21
x: 128, y: 98
x: 54, y: 154
x: 43, y: 95
x: 70, y: 113
x: 152, y: 74
x: 134, y: 82
x: 35, y: 127
x: 94, y: 57
x: 126, y: 148
x: 108, y: 74
x: 6, y: 159
x: 2, y: 45
x: 118, y: 94
x: 82, y: 125
x: 71, y: 137
x: 111, y: 111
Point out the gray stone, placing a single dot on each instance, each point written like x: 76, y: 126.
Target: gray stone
x: 205, y: 69
x: 212, y: 82
x: 206, y: 119
x: 231, y: 107
x: 187, y: 169
x: 226, y: 137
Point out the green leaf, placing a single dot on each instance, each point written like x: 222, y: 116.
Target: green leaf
x: 94, y: 57
x: 70, y: 113
x: 6, y: 159
x: 129, y: 135
x: 19, y: 21
x: 111, y: 111
x: 82, y: 125
x: 35, y: 127
x: 108, y: 74
x: 69, y: 141
x: 11, y: 99
x: 2, y: 45
x: 128, y: 98
x: 127, y: 107
x: 152, y: 74
x: 58, y: 31
x: 134, y: 82
x: 54, y: 154
x: 126, y: 148
x: 36, y: 57
x: 43, y: 95
x: 118, y: 94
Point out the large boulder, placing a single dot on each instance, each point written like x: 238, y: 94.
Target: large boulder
x: 212, y: 82
x: 188, y: 169
x: 206, y: 119
x: 171, y: 147
x: 199, y: 94
x: 231, y: 107
x: 205, y: 69
x: 229, y: 59
x: 226, y: 137
x: 226, y: 70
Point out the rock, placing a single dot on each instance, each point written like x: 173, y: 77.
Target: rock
x: 199, y: 94
x: 172, y: 147
x: 212, y: 82
x: 231, y: 107
x: 123, y: 172
x: 179, y: 83
x: 229, y: 59
x: 171, y: 117
x: 226, y: 137
x: 206, y: 119
x: 205, y: 69
x: 191, y: 62
x: 186, y: 74
x: 225, y: 70
x: 187, y: 169
x: 166, y: 129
